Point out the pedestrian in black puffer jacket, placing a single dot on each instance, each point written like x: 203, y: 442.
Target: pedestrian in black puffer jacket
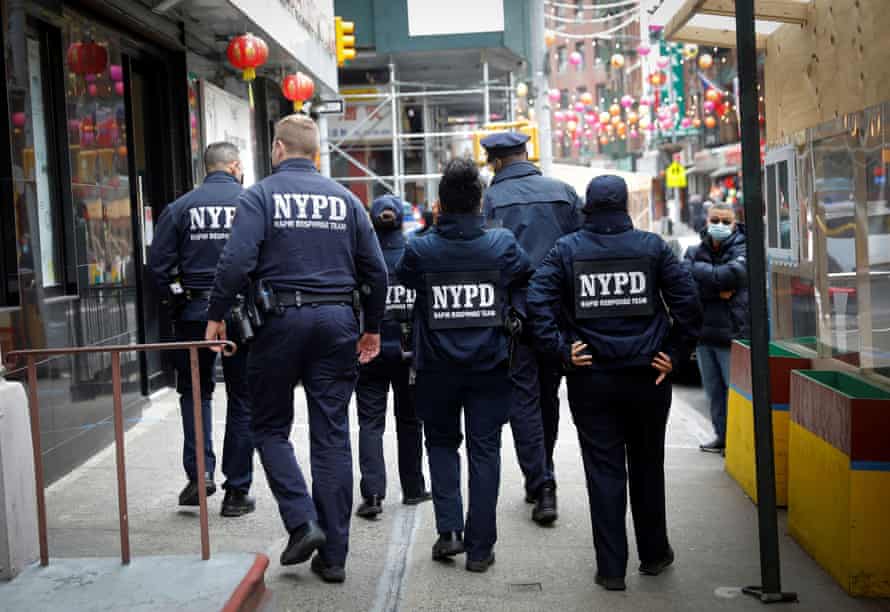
x: 719, y: 267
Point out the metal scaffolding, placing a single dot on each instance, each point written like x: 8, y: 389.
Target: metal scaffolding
x: 431, y: 140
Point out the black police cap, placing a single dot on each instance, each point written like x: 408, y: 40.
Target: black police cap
x: 504, y: 144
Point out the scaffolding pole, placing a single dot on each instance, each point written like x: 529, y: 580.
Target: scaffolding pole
x: 428, y: 158
x: 486, y: 96
x: 396, y: 155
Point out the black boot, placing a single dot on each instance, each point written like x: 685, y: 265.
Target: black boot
x: 237, y: 503
x: 328, y: 573
x: 611, y: 583
x: 413, y: 500
x: 189, y: 495
x: 304, y: 540
x: 714, y: 446
x: 449, y: 544
x: 481, y: 565
x: 545, y: 505
x: 656, y: 567
x: 370, y: 507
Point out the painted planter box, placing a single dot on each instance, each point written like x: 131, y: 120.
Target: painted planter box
x: 839, y: 478
x: 740, y: 463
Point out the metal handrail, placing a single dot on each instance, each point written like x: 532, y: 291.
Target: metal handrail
x: 31, y: 356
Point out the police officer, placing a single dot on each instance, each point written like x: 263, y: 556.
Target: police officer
x: 189, y: 239
x: 628, y: 311
x: 538, y: 210
x: 463, y: 276
x: 307, y: 244
x: 391, y: 368
x: 430, y: 214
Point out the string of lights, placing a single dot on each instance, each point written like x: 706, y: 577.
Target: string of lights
x: 591, y: 7
x: 567, y: 20
x: 604, y: 34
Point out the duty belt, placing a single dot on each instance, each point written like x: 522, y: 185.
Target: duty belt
x: 197, y: 294
x: 286, y: 299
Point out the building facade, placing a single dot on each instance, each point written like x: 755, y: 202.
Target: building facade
x: 108, y: 108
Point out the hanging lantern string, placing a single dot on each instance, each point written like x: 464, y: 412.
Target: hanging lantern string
x: 604, y: 34
x: 621, y: 15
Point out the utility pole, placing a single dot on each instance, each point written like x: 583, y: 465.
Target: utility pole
x: 540, y: 86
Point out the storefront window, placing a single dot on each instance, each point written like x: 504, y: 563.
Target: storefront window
x: 98, y: 151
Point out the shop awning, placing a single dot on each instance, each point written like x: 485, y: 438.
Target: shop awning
x: 724, y: 171
x: 712, y: 23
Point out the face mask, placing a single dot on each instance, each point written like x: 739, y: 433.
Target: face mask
x: 719, y: 232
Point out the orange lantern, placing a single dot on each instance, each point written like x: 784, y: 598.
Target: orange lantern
x: 696, y: 122
x: 247, y: 53
x: 87, y: 58
x: 614, y: 110
x: 604, y: 117
x: 705, y: 61
x: 657, y: 79
x: 616, y: 119
x: 587, y: 98
x: 297, y: 88
x: 549, y: 39
x: 621, y: 128
x: 617, y: 61
x: 710, y: 122
x: 713, y: 95
x: 571, y: 126
x: 632, y: 117
x: 604, y: 140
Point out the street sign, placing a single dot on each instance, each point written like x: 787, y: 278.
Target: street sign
x: 676, y: 176
x: 329, y: 107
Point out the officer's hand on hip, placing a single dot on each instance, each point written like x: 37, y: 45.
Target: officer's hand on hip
x: 368, y: 347
x: 580, y: 359
x: 664, y: 365
x: 216, y: 330
x: 726, y: 295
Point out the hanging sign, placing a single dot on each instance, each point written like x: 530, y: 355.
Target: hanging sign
x: 675, y: 176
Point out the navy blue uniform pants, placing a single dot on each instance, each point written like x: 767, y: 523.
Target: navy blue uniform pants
x: 315, y: 345
x: 525, y: 420
x: 237, y: 464
x: 549, y: 377
x: 374, y: 381
x: 485, y: 400
x: 621, y: 418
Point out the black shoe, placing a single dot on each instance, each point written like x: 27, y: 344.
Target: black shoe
x: 653, y: 569
x: 611, y: 583
x: 448, y: 545
x: 304, y: 540
x: 189, y: 495
x: 414, y: 500
x: 529, y: 498
x: 328, y: 573
x: 714, y: 446
x: 237, y: 503
x: 545, y: 505
x: 370, y: 507
x: 481, y: 565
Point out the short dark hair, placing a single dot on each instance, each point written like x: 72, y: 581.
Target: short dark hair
x: 460, y: 190
x: 219, y: 154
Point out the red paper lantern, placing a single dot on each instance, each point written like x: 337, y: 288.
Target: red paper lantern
x: 247, y: 53
x: 297, y: 88
x: 87, y: 58
x: 657, y: 79
x: 713, y: 95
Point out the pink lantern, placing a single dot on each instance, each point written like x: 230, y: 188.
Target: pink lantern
x: 627, y: 101
x: 554, y: 95
x: 634, y: 133
x: 588, y: 132
x: 590, y: 117
x: 644, y: 50
x: 650, y: 127
x: 579, y: 107
x: 575, y: 58
x: 18, y: 119
x: 662, y: 62
x: 576, y: 143
x: 667, y: 124
x: 686, y: 122
x: 675, y: 108
x: 119, y: 88
x: 116, y: 72
x: 93, y: 90
x: 558, y: 133
x: 708, y: 106
x: 90, y: 78
x: 559, y: 116
x: 571, y: 115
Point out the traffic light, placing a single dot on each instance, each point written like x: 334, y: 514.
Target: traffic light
x: 344, y: 31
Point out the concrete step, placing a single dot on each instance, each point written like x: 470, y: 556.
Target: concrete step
x: 233, y: 582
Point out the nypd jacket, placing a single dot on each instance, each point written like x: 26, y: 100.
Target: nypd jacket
x: 299, y: 230
x: 619, y: 290
x: 717, y: 270
x: 399, y: 299
x: 463, y: 276
x: 190, y: 237
x: 538, y: 210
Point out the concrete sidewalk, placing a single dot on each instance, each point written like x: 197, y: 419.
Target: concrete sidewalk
x: 713, y: 529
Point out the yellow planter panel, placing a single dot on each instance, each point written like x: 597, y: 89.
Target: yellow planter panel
x: 870, y: 533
